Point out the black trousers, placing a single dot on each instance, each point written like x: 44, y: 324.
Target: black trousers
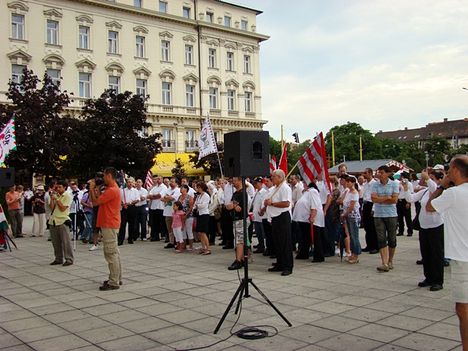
x: 281, y: 232
x: 369, y: 227
x: 157, y: 224
x: 304, y: 240
x: 432, y: 250
x: 269, y: 243
x: 142, y: 218
x: 76, y: 218
x: 212, y: 230
x: 226, y: 227
x: 404, y: 215
x: 128, y: 216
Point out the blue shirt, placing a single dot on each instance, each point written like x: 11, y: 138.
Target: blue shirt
x: 385, y: 210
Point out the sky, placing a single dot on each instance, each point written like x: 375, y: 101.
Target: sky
x: 386, y: 65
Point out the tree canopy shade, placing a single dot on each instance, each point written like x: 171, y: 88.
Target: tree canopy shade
x: 209, y: 164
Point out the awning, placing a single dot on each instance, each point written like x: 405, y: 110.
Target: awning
x: 165, y: 162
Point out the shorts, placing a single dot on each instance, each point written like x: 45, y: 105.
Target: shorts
x: 203, y: 222
x: 385, y: 228
x: 238, y: 227
x: 459, y: 281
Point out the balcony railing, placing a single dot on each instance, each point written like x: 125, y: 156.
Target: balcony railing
x: 168, y: 145
x: 191, y: 145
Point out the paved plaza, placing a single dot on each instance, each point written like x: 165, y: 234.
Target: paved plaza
x: 174, y: 301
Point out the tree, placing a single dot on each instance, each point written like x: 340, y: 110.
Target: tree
x: 114, y: 132
x: 38, y: 109
x: 209, y: 164
x: 438, y: 150
x: 275, y: 148
x: 178, y: 171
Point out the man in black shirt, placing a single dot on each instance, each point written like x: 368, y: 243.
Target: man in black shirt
x: 236, y: 208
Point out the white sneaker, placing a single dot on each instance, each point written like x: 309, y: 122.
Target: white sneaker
x: 144, y: 239
x: 94, y: 247
x: 337, y: 252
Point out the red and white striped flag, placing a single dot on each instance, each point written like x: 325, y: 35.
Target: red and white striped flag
x: 149, y: 180
x: 272, y: 163
x: 314, y: 161
x: 283, y: 163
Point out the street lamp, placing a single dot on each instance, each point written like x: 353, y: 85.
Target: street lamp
x: 175, y: 140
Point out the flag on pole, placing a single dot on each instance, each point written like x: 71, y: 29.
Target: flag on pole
x: 273, y: 165
x: 207, y: 143
x: 149, y: 180
x: 283, y: 163
x: 314, y: 161
x: 7, y: 140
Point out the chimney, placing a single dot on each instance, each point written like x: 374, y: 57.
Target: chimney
x: 445, y: 120
x: 406, y: 128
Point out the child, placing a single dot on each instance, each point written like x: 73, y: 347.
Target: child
x: 178, y: 223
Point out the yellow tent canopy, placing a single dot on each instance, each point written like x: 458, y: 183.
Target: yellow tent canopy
x: 165, y: 162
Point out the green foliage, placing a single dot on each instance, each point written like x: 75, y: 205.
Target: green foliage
x: 178, y: 171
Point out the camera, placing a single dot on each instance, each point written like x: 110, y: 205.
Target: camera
x: 99, y: 179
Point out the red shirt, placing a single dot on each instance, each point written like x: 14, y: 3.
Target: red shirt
x: 109, y: 208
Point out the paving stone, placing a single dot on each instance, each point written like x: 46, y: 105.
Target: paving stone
x: 147, y: 324
x: 379, y: 332
x: 443, y: 330
x: 338, y: 323
x: 79, y: 325
x: 417, y: 341
x: 309, y: 334
x: 129, y: 343
x: 104, y: 334
x: 171, y: 334
x: 46, y: 332
x: 61, y: 343
x: 405, y: 322
x: 349, y: 342
x: 427, y: 313
x: 24, y: 324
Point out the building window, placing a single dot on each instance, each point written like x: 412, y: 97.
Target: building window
x: 189, y: 95
x: 141, y: 87
x: 211, y: 58
x: 244, y: 24
x: 54, y: 75
x: 190, y: 139
x: 162, y: 6
x: 166, y: 93
x: 85, y: 85
x: 17, y: 73
x: 218, y: 135
x: 17, y: 26
x: 83, y: 40
x: 230, y: 61
x: 138, y: 3
x: 209, y: 16
x: 189, y: 54
x: 113, y: 40
x: 52, y: 32
x: 186, y: 12
x: 231, y: 100
x: 213, y: 95
x: 140, y: 46
x: 165, y: 50
x: 227, y: 21
x: 114, y: 84
x: 167, y: 141
x: 248, y: 101
x: 247, y: 64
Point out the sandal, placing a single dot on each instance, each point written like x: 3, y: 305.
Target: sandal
x: 206, y: 252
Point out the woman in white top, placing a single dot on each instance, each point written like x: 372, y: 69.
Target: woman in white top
x: 351, y: 217
x: 213, y: 207
x: 431, y: 234
x: 203, y: 218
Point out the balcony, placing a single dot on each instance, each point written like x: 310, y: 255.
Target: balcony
x: 191, y: 145
x: 168, y: 145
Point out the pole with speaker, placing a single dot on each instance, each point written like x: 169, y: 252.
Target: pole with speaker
x: 246, y: 154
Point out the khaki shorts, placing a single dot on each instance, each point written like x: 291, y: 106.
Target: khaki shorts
x: 459, y: 281
x: 238, y: 227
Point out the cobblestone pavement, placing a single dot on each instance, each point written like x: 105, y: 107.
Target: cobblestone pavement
x: 174, y: 301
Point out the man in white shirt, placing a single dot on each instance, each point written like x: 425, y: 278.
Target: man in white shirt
x: 452, y: 203
x: 257, y: 204
x: 404, y: 207
x: 170, y: 196
x: 297, y: 188
x: 158, y: 226
x: 278, y: 206
x: 75, y: 209
x: 142, y: 214
x: 226, y: 218
x: 128, y: 214
x: 367, y: 215
x: 191, y: 191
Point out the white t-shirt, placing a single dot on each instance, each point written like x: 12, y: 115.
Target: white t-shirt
x: 283, y: 193
x: 257, y: 204
x: 352, y: 196
x: 301, y: 212
x: 426, y: 219
x: 175, y: 194
x: 129, y: 195
x: 201, y: 204
x: 324, y: 191
x: 367, y: 190
x: 316, y: 204
x: 452, y: 204
x: 157, y: 204
x: 143, y: 193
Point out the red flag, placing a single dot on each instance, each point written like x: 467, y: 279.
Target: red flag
x: 273, y: 165
x: 283, y: 163
x: 149, y: 180
x: 314, y: 161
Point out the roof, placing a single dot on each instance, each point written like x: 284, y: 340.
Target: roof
x: 358, y: 167
x: 257, y: 12
x: 446, y: 129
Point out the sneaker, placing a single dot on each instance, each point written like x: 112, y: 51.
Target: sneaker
x: 106, y: 287
x: 337, y: 252
x: 436, y: 287
x: 67, y: 263
x: 94, y: 247
x: 383, y: 268
x: 144, y: 239
x: 236, y: 265
x: 424, y: 283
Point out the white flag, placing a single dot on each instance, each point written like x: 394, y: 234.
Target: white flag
x: 207, y: 142
x: 7, y: 140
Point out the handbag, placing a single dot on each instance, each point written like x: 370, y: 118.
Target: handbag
x: 416, y: 224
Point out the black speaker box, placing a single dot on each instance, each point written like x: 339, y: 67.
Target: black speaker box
x: 246, y: 154
x: 7, y: 177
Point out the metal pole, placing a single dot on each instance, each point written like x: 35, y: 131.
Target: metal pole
x: 360, y: 148
x: 333, y: 147
x: 220, y: 166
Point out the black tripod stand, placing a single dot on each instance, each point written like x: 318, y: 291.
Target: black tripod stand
x: 8, y: 239
x: 243, y: 289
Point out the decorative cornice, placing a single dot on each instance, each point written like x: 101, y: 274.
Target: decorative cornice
x: 52, y: 13
x: 85, y: 63
x: 49, y: 60
x: 141, y: 29
x: 166, y: 35
x: 190, y: 77
x: 167, y: 74
x: 189, y: 38
x: 213, y: 79
x: 19, y: 54
x: 113, y: 24
x: 248, y: 84
x: 115, y: 66
x: 18, y: 5
x: 84, y: 18
x: 142, y: 70
x: 232, y: 82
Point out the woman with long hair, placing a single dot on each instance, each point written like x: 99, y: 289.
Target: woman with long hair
x: 203, y: 219
x: 187, y: 205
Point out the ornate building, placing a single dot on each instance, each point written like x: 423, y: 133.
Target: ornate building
x: 192, y: 57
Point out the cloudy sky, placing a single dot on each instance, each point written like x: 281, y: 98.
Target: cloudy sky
x: 384, y: 64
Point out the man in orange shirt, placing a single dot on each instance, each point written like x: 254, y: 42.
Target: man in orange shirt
x: 108, y: 219
x: 13, y: 200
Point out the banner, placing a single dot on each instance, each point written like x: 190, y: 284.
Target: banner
x: 7, y: 140
x: 207, y: 143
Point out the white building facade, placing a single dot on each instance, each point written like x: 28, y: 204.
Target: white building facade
x: 192, y: 57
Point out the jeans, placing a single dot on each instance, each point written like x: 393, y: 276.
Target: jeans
x: 141, y: 222
x: 353, y: 228
x: 87, y: 233
x: 260, y: 235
